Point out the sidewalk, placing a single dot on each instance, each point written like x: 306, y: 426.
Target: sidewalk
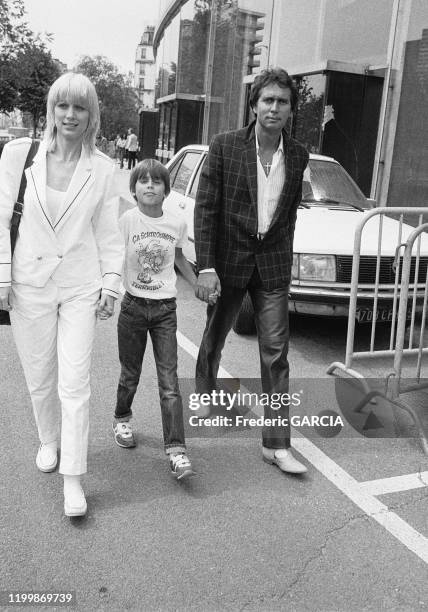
x: 121, y: 177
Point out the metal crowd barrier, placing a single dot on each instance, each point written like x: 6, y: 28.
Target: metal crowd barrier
x: 408, y: 309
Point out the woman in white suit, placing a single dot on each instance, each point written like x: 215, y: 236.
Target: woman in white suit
x: 65, y: 271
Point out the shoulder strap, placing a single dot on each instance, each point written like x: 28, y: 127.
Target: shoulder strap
x: 29, y: 160
x: 19, y: 204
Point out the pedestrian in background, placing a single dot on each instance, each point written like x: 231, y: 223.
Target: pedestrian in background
x: 153, y: 241
x: 102, y: 143
x: 116, y: 150
x: 120, y: 144
x: 132, y: 148
x: 66, y: 271
x: 245, y: 213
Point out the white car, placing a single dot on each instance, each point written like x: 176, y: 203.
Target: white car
x: 332, y: 207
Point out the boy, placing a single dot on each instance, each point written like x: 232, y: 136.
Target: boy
x: 153, y: 239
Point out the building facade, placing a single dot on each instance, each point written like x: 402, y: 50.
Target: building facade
x: 144, y: 75
x: 361, y: 67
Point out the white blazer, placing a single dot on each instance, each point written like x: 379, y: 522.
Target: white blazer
x: 84, y: 243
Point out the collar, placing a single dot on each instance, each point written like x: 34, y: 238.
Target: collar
x: 250, y: 135
x: 280, y: 145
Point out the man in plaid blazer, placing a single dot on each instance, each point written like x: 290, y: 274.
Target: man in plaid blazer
x: 245, y: 213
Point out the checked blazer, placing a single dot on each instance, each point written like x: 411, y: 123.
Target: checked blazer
x: 225, y: 224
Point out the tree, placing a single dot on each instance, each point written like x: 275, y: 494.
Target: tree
x: 13, y: 35
x: 307, y: 128
x: 22, y: 55
x: 8, y: 89
x: 118, y: 99
x: 37, y: 71
x: 14, y: 31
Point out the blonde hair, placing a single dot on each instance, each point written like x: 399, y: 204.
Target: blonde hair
x: 74, y: 88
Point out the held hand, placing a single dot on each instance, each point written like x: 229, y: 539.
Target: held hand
x: 105, y: 306
x: 208, y: 287
x: 5, y: 293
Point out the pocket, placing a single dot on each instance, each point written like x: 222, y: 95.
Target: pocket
x: 126, y: 304
x: 168, y: 305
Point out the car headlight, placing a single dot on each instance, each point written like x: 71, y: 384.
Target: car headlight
x: 308, y: 267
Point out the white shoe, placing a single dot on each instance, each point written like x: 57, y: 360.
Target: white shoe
x: 47, y: 458
x: 284, y: 459
x: 74, y: 500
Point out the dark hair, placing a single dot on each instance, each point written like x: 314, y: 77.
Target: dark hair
x: 154, y: 169
x: 270, y: 76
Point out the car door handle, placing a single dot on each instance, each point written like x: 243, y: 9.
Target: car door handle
x: 182, y: 205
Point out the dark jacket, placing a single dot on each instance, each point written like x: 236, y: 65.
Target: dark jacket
x: 226, y: 212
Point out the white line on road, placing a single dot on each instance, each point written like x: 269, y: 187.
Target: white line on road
x: 395, y: 484
x: 402, y: 531
x: 192, y: 349
x: 355, y: 491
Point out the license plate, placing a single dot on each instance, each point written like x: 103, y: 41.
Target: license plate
x: 365, y: 315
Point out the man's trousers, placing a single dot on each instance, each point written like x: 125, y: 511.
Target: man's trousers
x: 271, y: 317
x: 53, y: 328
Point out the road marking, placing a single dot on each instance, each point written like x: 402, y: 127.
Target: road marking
x: 193, y: 350
x: 395, y: 484
x: 354, y: 490
x: 402, y: 531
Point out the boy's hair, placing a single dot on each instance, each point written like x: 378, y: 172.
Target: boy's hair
x: 154, y: 169
x: 273, y: 76
x: 77, y: 89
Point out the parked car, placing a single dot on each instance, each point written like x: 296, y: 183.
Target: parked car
x: 332, y: 206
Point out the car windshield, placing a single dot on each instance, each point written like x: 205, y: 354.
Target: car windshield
x: 326, y: 183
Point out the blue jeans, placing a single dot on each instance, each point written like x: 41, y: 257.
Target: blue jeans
x: 139, y: 316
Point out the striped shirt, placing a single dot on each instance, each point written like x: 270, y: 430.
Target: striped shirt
x: 269, y: 187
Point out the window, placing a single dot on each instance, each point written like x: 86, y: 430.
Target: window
x: 173, y: 171
x: 195, y: 183
x: 143, y: 53
x: 327, y: 183
x: 180, y: 178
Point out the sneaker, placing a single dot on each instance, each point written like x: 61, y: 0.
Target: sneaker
x: 180, y: 465
x: 123, y: 435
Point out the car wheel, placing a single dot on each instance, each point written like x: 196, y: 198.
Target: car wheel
x: 244, y: 322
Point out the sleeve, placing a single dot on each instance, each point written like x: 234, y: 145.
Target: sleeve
x: 208, y: 206
x: 292, y: 215
x: 182, y: 234
x: 9, y: 187
x: 108, y: 237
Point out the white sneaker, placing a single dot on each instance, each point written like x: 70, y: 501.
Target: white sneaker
x: 47, y: 458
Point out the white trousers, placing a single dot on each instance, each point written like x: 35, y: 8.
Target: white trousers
x: 53, y: 328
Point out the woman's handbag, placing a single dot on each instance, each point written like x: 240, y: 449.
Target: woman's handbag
x: 16, y: 216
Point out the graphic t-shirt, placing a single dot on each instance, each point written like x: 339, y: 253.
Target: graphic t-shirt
x: 150, y: 253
